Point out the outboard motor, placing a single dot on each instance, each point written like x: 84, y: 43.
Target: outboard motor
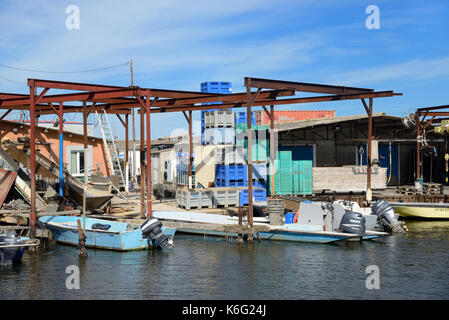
x: 151, y: 230
x: 9, y: 255
x: 388, y: 220
x: 353, y: 222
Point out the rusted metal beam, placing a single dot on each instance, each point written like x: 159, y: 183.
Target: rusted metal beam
x: 96, y: 87
x: 126, y: 153
x: 142, y: 162
x: 78, y: 110
x: 186, y: 116
x: 301, y: 86
x: 365, y: 106
x: 272, y: 155
x: 268, y: 113
x: 233, y: 97
x: 148, y: 164
x: 61, y: 149
x: 418, y: 146
x: 121, y: 120
x: 52, y: 108
x: 32, y: 159
x: 379, y: 94
x: 39, y: 97
x: 84, y: 96
x: 250, y: 99
x: 436, y: 114
x: 91, y: 108
x: 189, y: 119
x: 433, y: 108
x: 428, y: 122
x: 369, y: 151
x: 5, y: 114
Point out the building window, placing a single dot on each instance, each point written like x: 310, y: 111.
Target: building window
x: 77, y: 163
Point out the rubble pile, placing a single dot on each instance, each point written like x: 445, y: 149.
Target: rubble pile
x: 16, y: 204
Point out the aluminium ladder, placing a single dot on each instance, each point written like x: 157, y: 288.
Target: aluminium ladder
x: 108, y: 141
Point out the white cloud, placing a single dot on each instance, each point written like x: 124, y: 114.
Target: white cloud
x: 417, y: 69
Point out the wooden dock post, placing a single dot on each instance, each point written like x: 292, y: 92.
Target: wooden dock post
x: 81, y: 241
x: 239, y: 237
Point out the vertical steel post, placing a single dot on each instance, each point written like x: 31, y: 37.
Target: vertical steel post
x: 33, y: 158
x: 61, y: 150
x: 369, y: 147
x: 190, y: 150
x: 133, y: 127
x: 418, y: 147
x: 272, y: 150
x: 250, y: 158
x: 142, y: 162
x: 85, y: 163
x: 126, y: 154
x: 149, y: 203
x: 82, y: 236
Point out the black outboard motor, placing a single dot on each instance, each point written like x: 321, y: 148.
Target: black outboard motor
x: 151, y: 230
x: 388, y: 220
x: 353, y: 222
x: 10, y: 255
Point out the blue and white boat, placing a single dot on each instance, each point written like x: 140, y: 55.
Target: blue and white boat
x: 102, y: 234
x: 296, y: 232
x: 12, y: 247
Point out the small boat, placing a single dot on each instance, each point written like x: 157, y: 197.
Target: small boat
x: 110, y: 235
x: 297, y: 232
x: 12, y: 247
x: 422, y: 210
x: 95, y: 197
x: 97, y: 194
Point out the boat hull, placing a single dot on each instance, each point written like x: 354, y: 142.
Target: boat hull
x: 422, y: 212
x: 288, y: 232
x: 11, y: 255
x: 95, y: 198
x: 120, y: 238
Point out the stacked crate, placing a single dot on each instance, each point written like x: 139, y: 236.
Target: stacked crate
x: 182, y: 169
x: 259, y: 195
x: 291, y: 177
x: 213, y: 87
x: 229, y: 155
x: 233, y: 175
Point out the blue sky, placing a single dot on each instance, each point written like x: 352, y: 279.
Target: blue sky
x: 179, y: 44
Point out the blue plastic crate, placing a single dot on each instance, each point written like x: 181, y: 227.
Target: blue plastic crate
x: 229, y: 183
x: 231, y: 172
x: 213, y: 87
x: 262, y: 183
x: 240, y: 117
x: 216, y: 87
x: 259, y: 194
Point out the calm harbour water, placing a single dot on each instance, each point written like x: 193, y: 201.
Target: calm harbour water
x: 412, y: 266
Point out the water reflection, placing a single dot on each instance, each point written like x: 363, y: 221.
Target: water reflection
x: 212, y: 268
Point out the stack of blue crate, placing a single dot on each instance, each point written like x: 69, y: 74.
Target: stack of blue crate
x: 230, y: 175
x: 213, y: 87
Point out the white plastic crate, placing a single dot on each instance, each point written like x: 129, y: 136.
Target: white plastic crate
x: 219, y: 119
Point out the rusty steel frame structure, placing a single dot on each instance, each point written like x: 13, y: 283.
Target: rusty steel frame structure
x: 121, y: 100
x: 422, y: 124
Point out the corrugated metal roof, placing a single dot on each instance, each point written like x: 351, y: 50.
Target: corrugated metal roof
x: 311, y: 123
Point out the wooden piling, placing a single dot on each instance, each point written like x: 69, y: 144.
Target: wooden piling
x: 81, y: 241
